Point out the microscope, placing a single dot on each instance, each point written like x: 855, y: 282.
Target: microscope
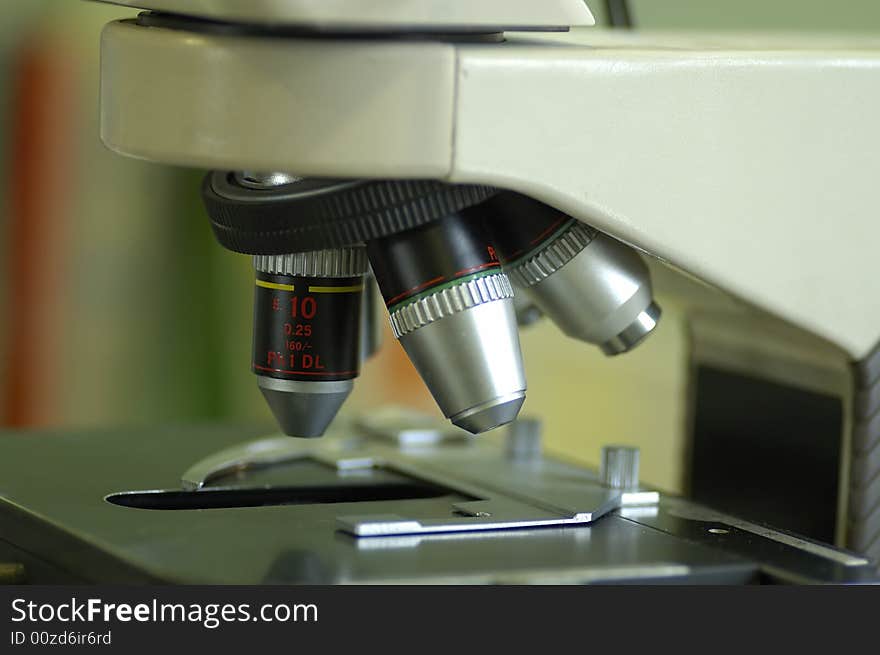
x: 473, y: 165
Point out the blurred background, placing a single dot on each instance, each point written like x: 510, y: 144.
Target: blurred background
x: 119, y: 309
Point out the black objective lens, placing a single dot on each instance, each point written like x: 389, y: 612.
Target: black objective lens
x: 307, y: 334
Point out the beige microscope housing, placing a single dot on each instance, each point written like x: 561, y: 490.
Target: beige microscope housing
x: 748, y: 163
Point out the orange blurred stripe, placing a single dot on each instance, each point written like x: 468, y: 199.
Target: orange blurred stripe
x: 42, y: 162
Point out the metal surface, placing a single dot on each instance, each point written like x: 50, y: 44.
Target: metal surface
x: 304, y: 409
x: 337, y: 262
x: 495, y: 506
x: 66, y: 531
x: 551, y: 255
x: 566, y: 115
x: 478, y: 381
x: 362, y: 15
x: 409, y: 429
x: 239, y: 185
x: 695, y: 513
x: 257, y: 180
x: 451, y: 309
x: 524, y: 437
x: 263, y: 452
x: 527, y: 313
x: 619, y: 467
x: 863, y: 511
x: 633, y: 334
x: 445, y: 302
x: 499, y: 512
x: 600, y: 293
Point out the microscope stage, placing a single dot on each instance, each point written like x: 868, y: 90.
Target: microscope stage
x: 110, y: 507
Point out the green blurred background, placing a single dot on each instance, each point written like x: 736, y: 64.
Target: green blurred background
x: 119, y: 309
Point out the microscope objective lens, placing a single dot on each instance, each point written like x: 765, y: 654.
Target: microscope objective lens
x: 307, y: 334
x: 452, y: 310
x: 595, y: 289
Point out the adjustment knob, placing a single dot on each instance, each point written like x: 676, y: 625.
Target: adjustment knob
x: 620, y: 467
x: 524, y: 439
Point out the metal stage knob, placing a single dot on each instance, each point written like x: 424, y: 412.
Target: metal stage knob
x: 620, y: 467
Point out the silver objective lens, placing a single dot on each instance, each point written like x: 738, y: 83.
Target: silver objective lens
x: 464, y: 342
x: 451, y: 308
x: 594, y: 288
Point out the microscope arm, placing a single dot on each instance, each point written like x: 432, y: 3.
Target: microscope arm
x: 751, y: 165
